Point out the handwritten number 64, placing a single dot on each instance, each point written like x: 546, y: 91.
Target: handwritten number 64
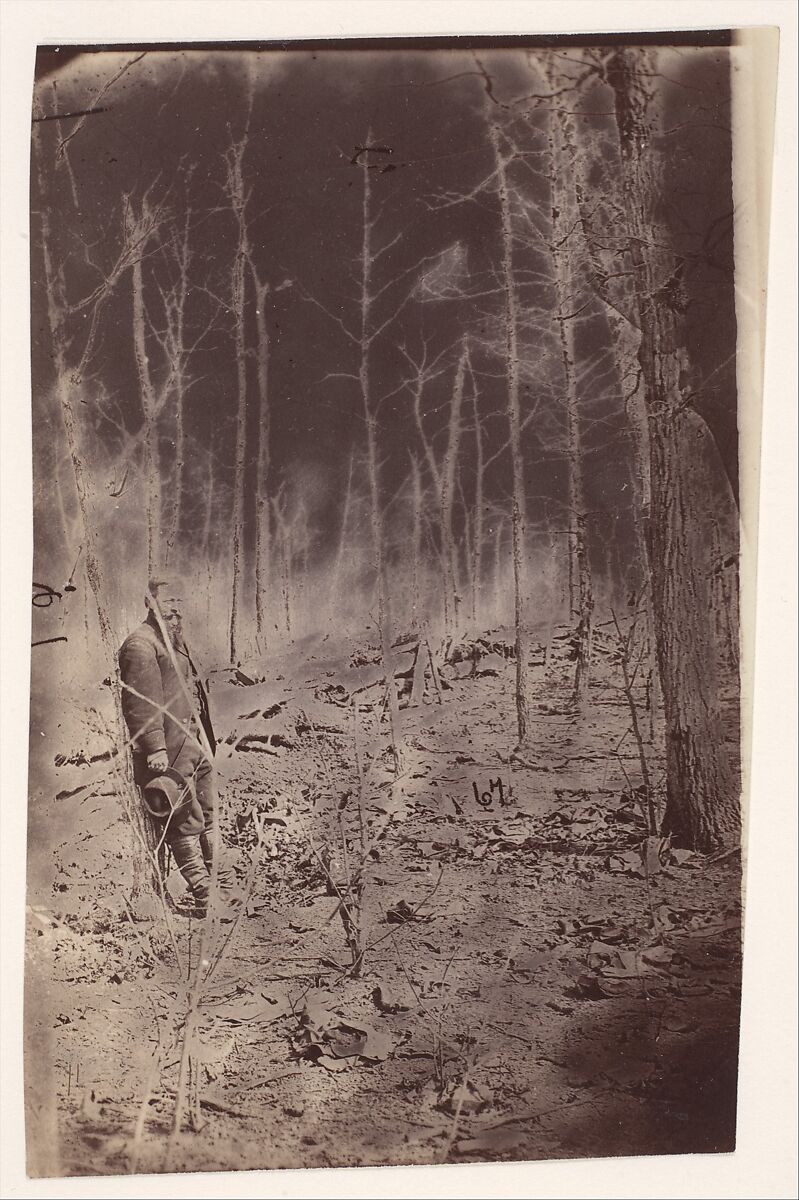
x: 486, y: 799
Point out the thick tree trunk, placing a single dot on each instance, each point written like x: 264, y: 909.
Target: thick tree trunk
x: 518, y: 506
x: 625, y: 338
x: 702, y: 808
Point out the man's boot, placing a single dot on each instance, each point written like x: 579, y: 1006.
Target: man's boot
x: 189, y: 859
x: 223, y: 873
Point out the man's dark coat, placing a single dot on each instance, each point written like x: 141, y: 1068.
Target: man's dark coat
x: 157, y: 711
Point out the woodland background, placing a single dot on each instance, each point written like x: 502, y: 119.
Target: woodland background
x: 391, y: 340
x: 421, y: 368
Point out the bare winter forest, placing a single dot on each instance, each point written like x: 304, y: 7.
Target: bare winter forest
x: 418, y: 366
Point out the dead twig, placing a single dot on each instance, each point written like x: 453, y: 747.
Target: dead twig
x: 550, y: 1112
x: 218, y: 1107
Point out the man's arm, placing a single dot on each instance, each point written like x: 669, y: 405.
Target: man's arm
x: 142, y: 690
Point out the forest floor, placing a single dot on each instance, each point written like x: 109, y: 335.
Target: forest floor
x: 540, y: 980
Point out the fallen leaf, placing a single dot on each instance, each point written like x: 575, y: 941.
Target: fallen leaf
x: 658, y: 956
x: 601, y: 954
x: 317, y: 1011
x: 392, y: 999
x: 587, y: 987
x: 378, y: 1044
x: 347, y: 1043
x: 680, y: 858
x: 628, y: 863
x: 333, y: 1064
x: 242, y: 1008
x: 402, y: 912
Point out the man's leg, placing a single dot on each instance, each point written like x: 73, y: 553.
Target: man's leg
x: 183, y: 840
x: 191, y: 864
x: 210, y: 838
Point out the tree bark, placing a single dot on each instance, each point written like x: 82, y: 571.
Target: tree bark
x: 477, y: 528
x: 262, y: 513
x: 443, y: 473
x: 335, y: 575
x: 702, y: 807
x: 56, y: 310
x: 176, y: 315
x: 370, y: 420
x: 236, y: 195
x: 152, y: 464
x: 518, y: 504
x: 623, y: 322
x: 416, y: 538
x: 564, y: 222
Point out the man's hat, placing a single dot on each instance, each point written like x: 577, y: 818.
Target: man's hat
x: 169, y: 797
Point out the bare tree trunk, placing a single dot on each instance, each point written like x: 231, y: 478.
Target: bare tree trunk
x: 152, y: 464
x: 498, y: 594
x: 443, y: 474
x: 370, y: 420
x: 176, y: 315
x: 518, y: 510
x: 564, y: 221
x: 286, y: 564
x: 262, y: 512
x: 209, y: 503
x: 416, y: 537
x: 235, y: 185
x: 335, y: 575
x: 702, y: 807
x: 304, y: 550
x: 56, y: 309
x: 286, y: 555
x: 477, y: 531
x: 448, y: 471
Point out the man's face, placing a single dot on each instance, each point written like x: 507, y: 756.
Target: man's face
x: 170, y: 605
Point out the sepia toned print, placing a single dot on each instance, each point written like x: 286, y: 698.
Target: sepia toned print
x: 385, y: 784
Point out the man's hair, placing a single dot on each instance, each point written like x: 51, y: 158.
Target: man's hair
x: 156, y: 582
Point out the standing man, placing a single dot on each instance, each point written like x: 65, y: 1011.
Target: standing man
x: 166, y: 711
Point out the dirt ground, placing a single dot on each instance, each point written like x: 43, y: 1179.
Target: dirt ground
x: 539, y: 979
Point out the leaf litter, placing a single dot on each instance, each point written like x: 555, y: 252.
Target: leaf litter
x: 557, y: 926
